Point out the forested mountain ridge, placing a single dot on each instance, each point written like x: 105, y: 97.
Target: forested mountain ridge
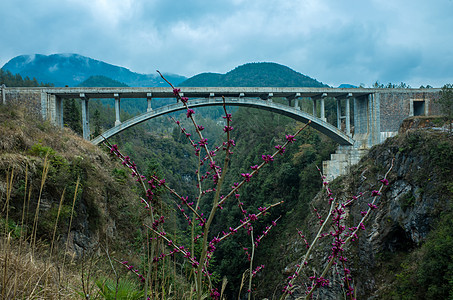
x: 72, y: 69
x: 15, y: 80
x: 254, y: 75
x: 101, y: 81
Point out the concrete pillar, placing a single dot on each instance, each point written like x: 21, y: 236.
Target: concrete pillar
x: 269, y: 97
x: 323, y: 112
x: 117, y: 109
x: 361, y: 121
x: 85, y: 117
x: 3, y: 94
x: 411, y: 108
x: 314, y: 108
x: 348, y: 115
x: 375, y: 117
x: 51, y: 109
x: 59, y: 112
x: 338, y: 113
x: 296, y: 101
x: 44, y: 105
x: 180, y: 94
x: 148, y: 98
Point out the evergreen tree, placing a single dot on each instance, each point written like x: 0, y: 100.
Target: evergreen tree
x: 71, y: 115
x: 97, y: 122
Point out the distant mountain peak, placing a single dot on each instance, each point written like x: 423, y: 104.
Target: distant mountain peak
x: 72, y: 69
x: 255, y: 74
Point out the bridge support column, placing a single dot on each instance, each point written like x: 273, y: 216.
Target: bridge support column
x: 348, y: 114
x: 85, y: 117
x: 323, y: 112
x: 44, y: 105
x: 296, y: 101
x: 59, y: 112
x: 117, y: 109
x: 315, y: 113
x: 338, y: 113
x: 148, y: 99
x: 53, y: 110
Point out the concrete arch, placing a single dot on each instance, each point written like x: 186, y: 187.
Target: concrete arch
x: 323, y: 127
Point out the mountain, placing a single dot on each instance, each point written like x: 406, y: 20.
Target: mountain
x: 101, y: 81
x: 347, y: 86
x: 253, y: 75
x: 73, y: 69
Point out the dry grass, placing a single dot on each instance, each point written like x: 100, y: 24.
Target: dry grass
x: 24, y: 276
x: 75, y: 175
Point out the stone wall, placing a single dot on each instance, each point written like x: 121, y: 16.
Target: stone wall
x: 30, y: 98
x: 399, y: 105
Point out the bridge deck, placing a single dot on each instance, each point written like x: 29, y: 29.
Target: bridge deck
x: 205, y: 92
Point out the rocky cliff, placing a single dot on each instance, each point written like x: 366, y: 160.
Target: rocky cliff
x: 405, y: 251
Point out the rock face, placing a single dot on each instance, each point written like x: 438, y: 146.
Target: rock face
x: 407, y: 209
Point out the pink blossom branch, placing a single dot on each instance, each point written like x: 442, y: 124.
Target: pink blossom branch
x: 267, y: 159
x: 372, y: 205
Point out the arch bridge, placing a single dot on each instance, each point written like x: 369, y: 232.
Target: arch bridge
x: 365, y: 117
x: 261, y: 98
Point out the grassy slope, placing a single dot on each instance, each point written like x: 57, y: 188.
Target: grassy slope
x: 105, y: 210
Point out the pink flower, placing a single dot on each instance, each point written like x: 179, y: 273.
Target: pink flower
x: 385, y: 181
x: 247, y: 176
x: 267, y: 158
x: 290, y: 138
x: 280, y: 148
x: 190, y: 112
x: 203, y: 142
x: 227, y: 128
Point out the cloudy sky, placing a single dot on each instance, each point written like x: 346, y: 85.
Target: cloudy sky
x: 334, y: 41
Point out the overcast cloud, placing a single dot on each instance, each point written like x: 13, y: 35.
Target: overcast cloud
x: 334, y: 41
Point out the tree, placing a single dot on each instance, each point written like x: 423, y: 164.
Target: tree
x: 446, y: 103
x: 97, y: 122
x: 71, y: 115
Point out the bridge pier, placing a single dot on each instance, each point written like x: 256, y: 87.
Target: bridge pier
x: 296, y: 101
x: 323, y: 112
x: 338, y: 100
x: 85, y: 117
x: 315, y: 113
x: 117, y: 109
x: 59, y: 111
x: 322, y: 108
x: 348, y: 114
x: 148, y: 99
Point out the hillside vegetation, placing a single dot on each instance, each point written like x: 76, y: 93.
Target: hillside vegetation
x: 407, y: 248
x: 59, y: 194
x: 253, y: 75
